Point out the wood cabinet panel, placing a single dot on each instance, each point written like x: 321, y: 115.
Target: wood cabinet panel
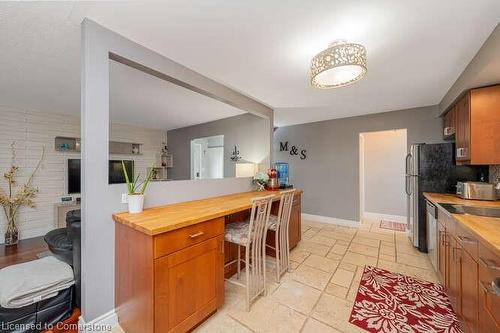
x: 454, y: 275
x: 489, y: 269
x: 462, y: 134
x: 190, y: 281
x: 450, y: 124
x: 485, y: 125
x: 181, y: 238
x: 469, y: 283
x: 442, y: 255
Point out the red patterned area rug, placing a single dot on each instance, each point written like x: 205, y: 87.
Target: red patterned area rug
x: 391, y: 302
x: 396, y: 226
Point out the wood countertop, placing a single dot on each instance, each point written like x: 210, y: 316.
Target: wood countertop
x: 487, y: 229
x: 157, y: 220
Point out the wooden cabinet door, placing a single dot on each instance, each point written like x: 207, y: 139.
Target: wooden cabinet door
x: 463, y: 129
x: 441, y: 248
x: 294, y: 229
x: 485, y: 125
x: 454, y: 275
x: 469, y: 291
x: 449, y: 124
x: 489, y: 301
x: 189, y: 285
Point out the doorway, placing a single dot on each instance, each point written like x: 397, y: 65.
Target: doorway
x: 382, y: 175
x: 207, y: 157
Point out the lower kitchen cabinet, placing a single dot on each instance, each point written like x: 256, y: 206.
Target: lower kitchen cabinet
x: 467, y: 273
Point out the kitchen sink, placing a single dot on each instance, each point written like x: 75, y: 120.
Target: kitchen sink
x: 472, y: 210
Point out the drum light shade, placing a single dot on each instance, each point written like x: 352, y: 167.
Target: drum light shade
x: 339, y: 65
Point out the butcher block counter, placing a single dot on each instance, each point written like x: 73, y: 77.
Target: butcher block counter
x: 468, y: 261
x: 169, y: 260
x: 485, y: 228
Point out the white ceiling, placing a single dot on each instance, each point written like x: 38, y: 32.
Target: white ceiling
x: 416, y: 49
x: 147, y: 101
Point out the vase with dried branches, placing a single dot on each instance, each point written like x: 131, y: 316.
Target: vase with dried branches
x: 16, y: 197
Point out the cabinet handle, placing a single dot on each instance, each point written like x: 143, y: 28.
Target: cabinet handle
x: 198, y: 234
x: 488, y: 288
x: 488, y: 264
x: 468, y: 240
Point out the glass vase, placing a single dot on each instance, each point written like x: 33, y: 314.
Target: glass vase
x: 12, y: 234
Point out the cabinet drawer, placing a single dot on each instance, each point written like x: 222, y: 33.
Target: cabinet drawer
x: 489, y: 269
x: 467, y: 241
x: 179, y: 239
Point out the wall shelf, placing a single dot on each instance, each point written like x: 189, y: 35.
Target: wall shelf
x: 67, y: 144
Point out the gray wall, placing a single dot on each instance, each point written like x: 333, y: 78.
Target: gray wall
x: 248, y: 132
x: 329, y: 175
x: 100, y: 200
x: 483, y: 70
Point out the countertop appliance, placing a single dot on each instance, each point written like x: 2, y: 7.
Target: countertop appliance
x: 476, y: 191
x: 431, y: 168
x: 431, y: 233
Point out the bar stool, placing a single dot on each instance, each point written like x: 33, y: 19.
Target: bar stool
x: 252, y: 235
x: 279, y: 224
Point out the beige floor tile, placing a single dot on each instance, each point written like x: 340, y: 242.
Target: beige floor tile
x: 314, y: 326
x: 416, y: 261
x: 423, y: 274
x: 387, y: 257
x: 359, y: 259
x: 221, y: 323
x: 322, y: 240
x: 342, y: 242
x: 298, y: 296
x: 117, y: 329
x: 337, y: 235
x: 336, y: 290
x: 311, y: 276
x: 304, y: 227
x: 342, y: 277
x: 364, y: 249
x: 315, y: 248
x: 348, y: 267
x: 366, y: 241
x: 294, y: 264
x: 386, y: 237
x: 334, y: 256
x: 299, y: 255
x: 267, y: 315
x: 309, y: 233
x: 335, y: 312
x: 322, y: 263
x: 339, y: 249
x: 389, y: 250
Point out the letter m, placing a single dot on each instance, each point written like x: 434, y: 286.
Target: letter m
x: 284, y: 146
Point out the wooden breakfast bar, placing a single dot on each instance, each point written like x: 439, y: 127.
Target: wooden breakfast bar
x: 169, y: 260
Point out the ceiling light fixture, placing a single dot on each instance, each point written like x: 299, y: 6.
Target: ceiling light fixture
x: 341, y: 64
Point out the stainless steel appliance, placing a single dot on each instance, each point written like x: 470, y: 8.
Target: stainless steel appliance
x: 432, y: 233
x: 476, y: 191
x: 431, y: 168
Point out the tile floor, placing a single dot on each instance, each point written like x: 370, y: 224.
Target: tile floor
x: 317, y: 295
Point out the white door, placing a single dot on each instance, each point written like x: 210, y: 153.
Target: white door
x: 214, y: 162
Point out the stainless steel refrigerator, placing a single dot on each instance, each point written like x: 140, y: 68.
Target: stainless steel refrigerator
x: 431, y: 168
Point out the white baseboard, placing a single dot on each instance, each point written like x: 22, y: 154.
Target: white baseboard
x: 330, y: 220
x: 385, y: 217
x: 102, y: 323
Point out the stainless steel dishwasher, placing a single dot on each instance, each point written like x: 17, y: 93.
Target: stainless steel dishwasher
x: 432, y: 233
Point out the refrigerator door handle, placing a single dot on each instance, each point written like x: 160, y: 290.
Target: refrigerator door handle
x: 408, y: 156
x: 408, y: 185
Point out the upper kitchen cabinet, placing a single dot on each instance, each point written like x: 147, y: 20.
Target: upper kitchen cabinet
x: 474, y: 122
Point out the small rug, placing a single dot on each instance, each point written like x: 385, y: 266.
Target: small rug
x: 391, y: 302
x: 396, y: 226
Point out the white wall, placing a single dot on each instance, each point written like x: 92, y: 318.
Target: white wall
x: 384, y: 173
x: 31, y: 130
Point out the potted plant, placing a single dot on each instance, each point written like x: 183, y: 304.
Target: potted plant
x: 12, y: 200
x: 136, y: 189
x: 260, y: 179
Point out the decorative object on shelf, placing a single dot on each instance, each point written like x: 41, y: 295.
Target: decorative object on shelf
x: 339, y: 65
x: 66, y: 144
x: 166, y: 158
x: 245, y: 169
x: 235, y: 155
x: 135, y: 149
x: 136, y: 189
x: 260, y: 179
x: 273, y: 183
x: 12, y: 200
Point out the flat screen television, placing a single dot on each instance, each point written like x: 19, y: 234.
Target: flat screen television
x: 115, y: 173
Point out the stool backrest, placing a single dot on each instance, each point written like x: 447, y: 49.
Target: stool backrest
x: 257, y: 232
x: 284, y: 212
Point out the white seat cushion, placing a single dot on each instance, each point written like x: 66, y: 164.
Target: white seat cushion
x: 237, y: 232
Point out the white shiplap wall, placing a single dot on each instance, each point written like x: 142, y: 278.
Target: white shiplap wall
x: 33, y: 129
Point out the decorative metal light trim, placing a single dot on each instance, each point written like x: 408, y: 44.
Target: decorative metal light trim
x: 338, y: 54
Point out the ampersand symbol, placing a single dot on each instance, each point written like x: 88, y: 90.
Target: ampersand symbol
x: 294, y: 151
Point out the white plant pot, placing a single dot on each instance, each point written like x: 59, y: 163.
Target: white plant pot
x: 135, y: 203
